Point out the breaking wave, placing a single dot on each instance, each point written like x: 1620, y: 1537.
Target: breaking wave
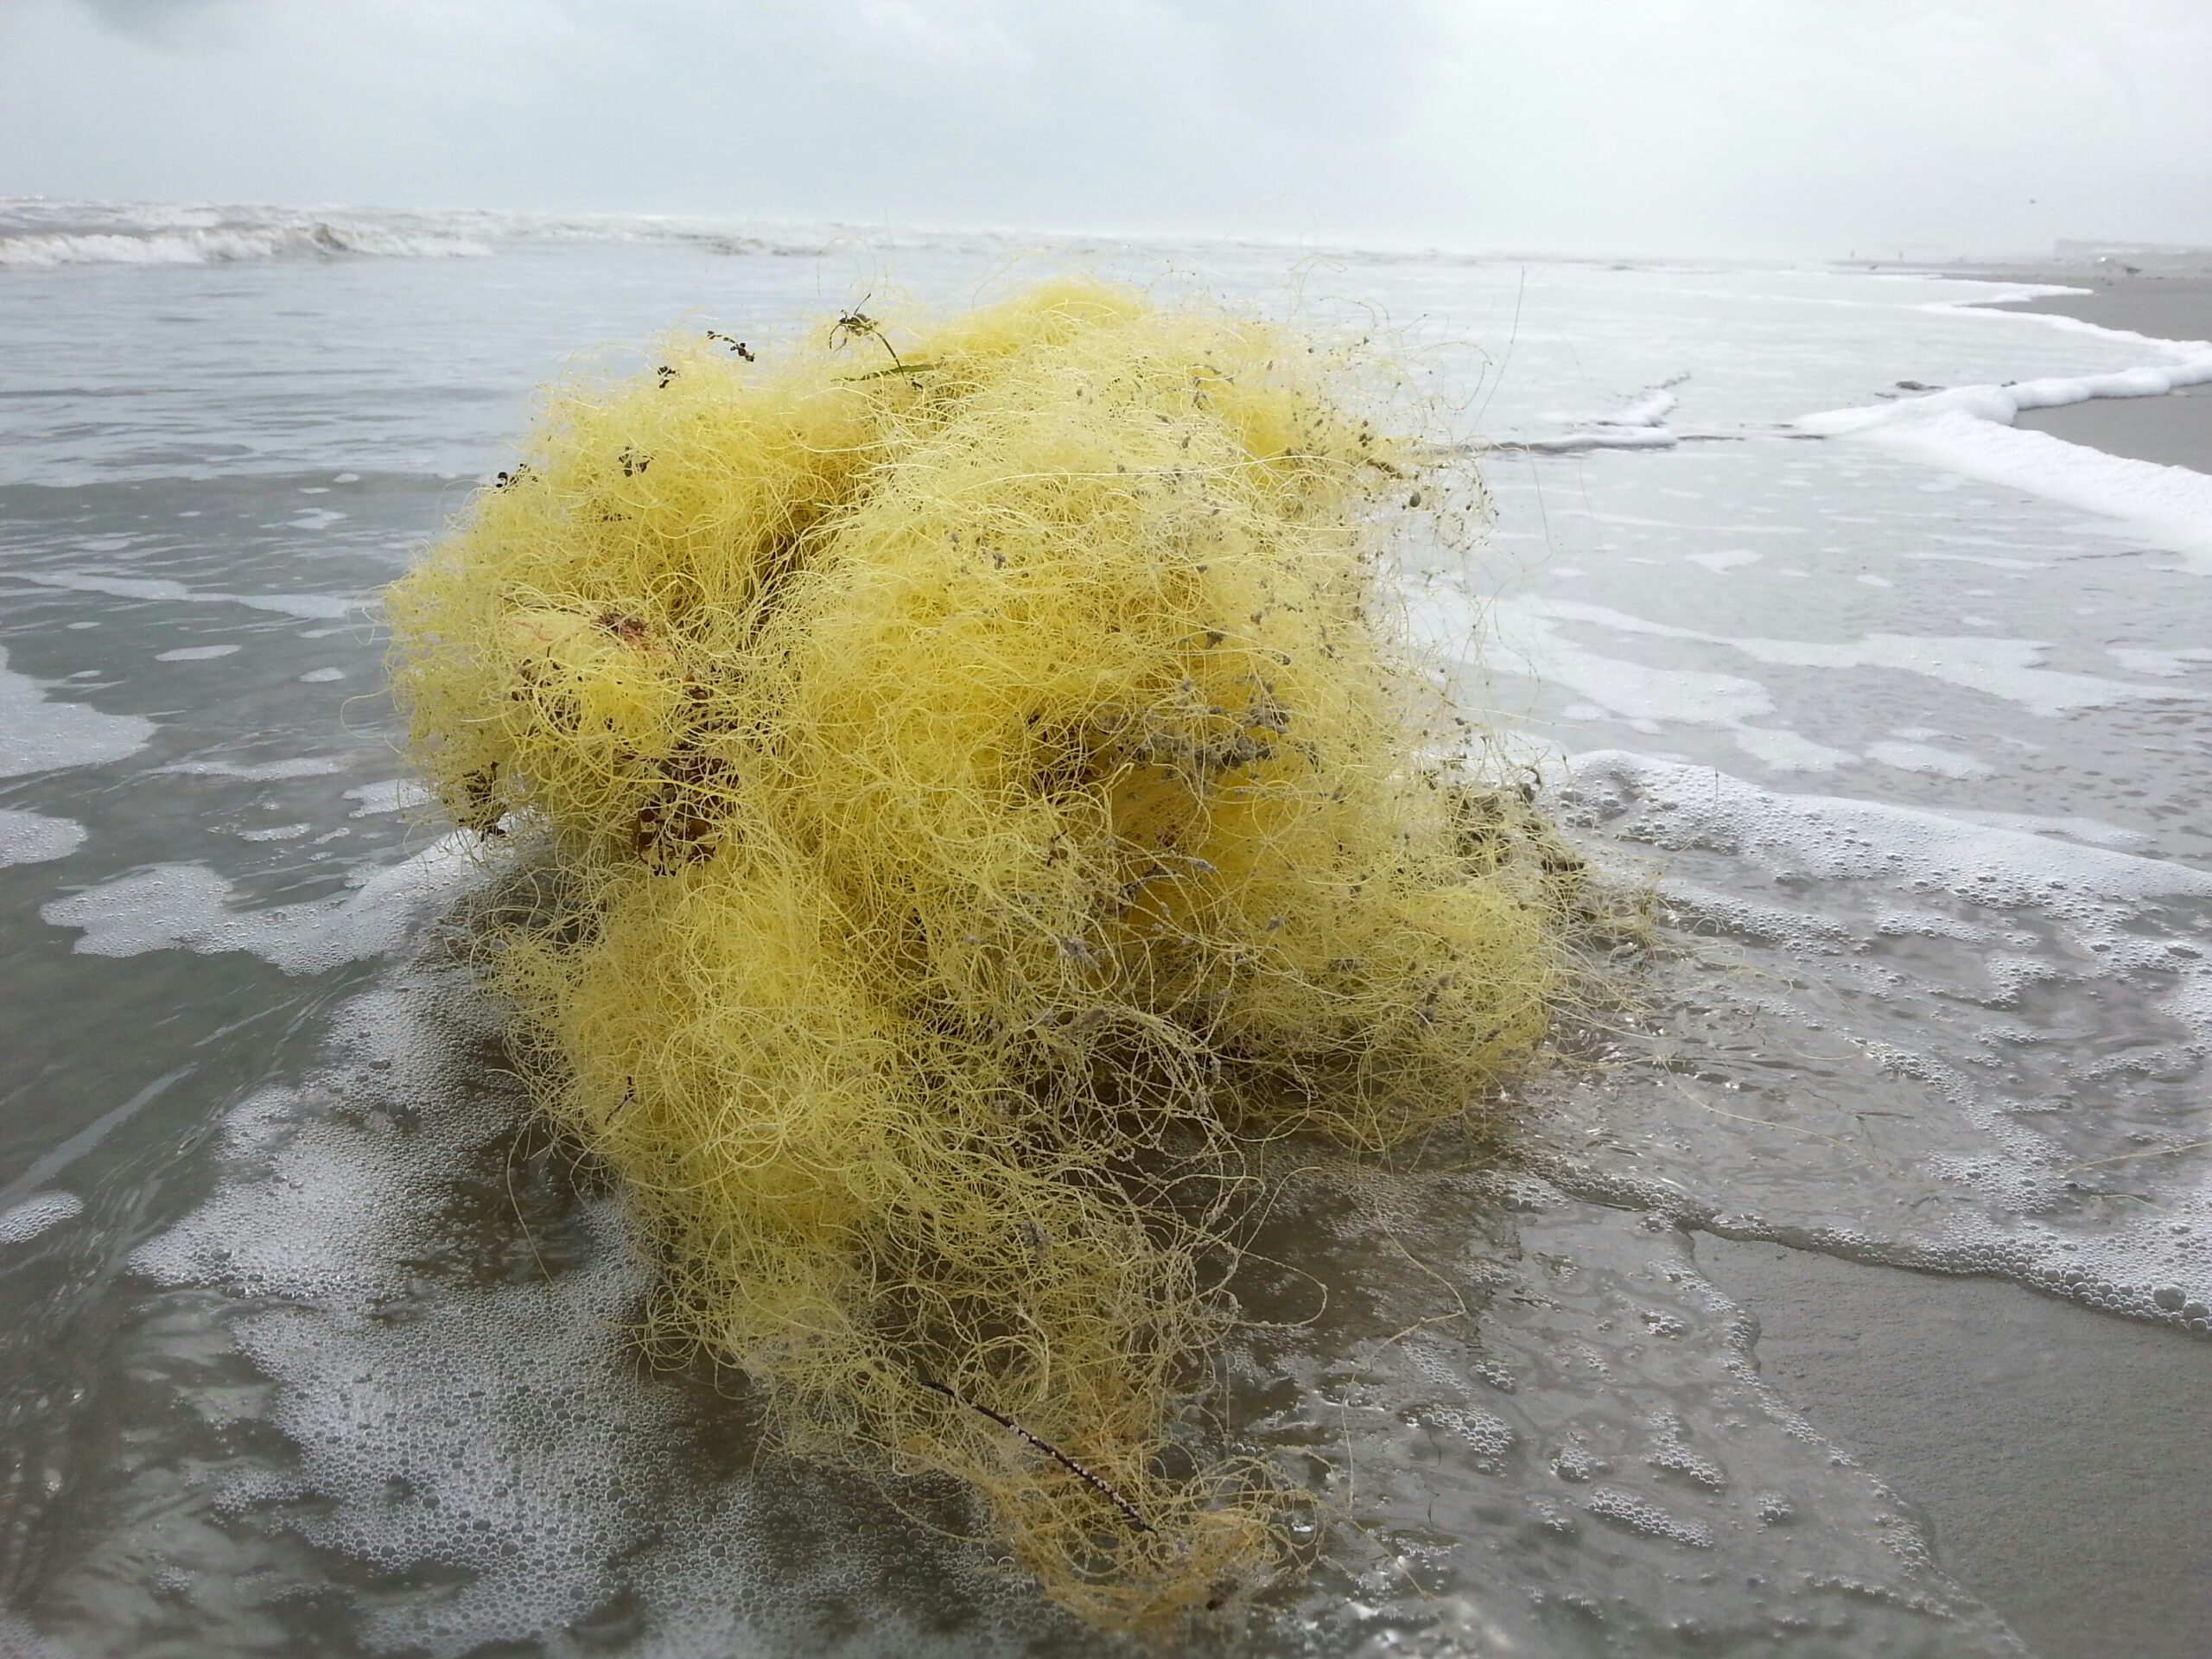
x: 39, y: 233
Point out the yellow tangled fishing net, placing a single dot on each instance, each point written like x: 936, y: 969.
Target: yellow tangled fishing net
x: 978, y: 791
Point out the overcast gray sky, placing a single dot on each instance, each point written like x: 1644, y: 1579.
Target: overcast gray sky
x: 1718, y: 127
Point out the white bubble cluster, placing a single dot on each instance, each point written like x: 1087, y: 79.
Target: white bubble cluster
x: 38, y: 735
x: 26, y: 1218
x: 33, y: 838
x: 1638, y: 1515
x: 2034, y: 1012
x: 458, y: 1377
x: 190, y: 907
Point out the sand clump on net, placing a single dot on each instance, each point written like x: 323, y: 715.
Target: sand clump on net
x: 967, y: 787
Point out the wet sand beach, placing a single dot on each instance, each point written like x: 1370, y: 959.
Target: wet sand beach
x: 2058, y: 1453
x: 310, y: 1344
x: 2175, y: 430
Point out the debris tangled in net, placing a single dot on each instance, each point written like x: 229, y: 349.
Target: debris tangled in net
x: 978, y: 789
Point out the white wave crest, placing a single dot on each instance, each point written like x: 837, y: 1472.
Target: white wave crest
x: 39, y: 233
x: 223, y: 246
x: 1969, y: 430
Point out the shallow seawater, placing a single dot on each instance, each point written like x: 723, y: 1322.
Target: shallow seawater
x: 310, y: 1346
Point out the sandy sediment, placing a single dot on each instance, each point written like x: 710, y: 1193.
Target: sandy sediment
x: 2058, y: 1451
x: 2175, y: 430
x: 2042, y: 1441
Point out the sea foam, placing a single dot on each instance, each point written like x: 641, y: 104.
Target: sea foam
x: 40, y: 234
x: 33, y: 838
x: 190, y: 907
x: 1969, y: 430
x: 1999, y: 1157
x: 314, y: 607
x: 36, y: 735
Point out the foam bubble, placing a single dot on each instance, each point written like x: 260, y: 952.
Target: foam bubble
x: 33, y: 838
x: 22, y: 1222
x: 36, y: 735
x: 190, y: 907
x: 457, y: 1380
x: 2011, y: 1086
x: 1638, y: 1514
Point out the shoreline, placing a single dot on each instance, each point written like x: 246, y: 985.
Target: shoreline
x: 2175, y: 430
x: 2039, y: 1439
x: 2046, y: 1445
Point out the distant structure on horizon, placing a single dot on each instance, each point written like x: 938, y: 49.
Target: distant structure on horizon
x: 2154, y: 259
x: 2147, y: 256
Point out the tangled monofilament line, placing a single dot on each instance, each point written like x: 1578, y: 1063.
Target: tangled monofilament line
x: 978, y: 794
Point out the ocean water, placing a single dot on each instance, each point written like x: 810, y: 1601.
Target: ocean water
x: 308, y: 1346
